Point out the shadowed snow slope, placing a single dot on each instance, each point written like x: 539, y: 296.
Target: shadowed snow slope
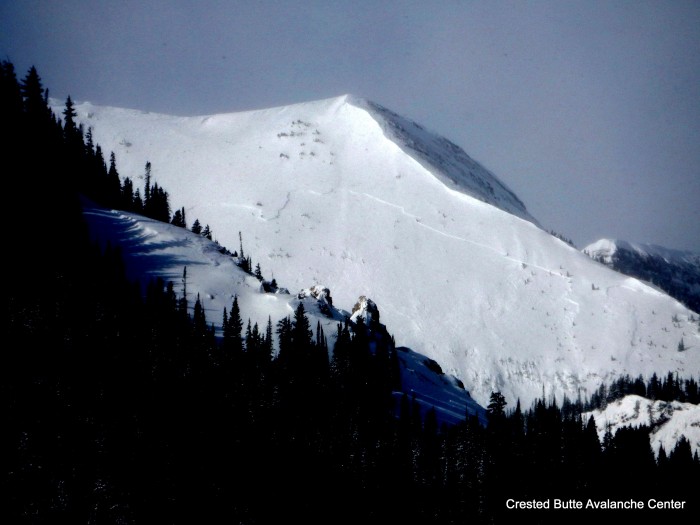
x: 344, y: 193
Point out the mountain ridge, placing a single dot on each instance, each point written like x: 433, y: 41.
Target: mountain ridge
x: 475, y: 181
x: 458, y: 168
x: 323, y: 196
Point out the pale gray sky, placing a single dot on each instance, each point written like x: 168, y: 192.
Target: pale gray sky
x: 589, y: 111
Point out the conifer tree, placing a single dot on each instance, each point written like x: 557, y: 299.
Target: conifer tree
x: 284, y: 338
x: 35, y: 105
x: 69, y: 114
x: 233, y: 343
x: 267, y: 348
x: 496, y: 406
x: 138, y: 202
x: 198, y: 318
x: 301, y: 330
x: 182, y: 306
x: 113, y: 183
x: 179, y: 218
x: 127, y: 195
x: 89, y: 143
x: 147, y: 186
x: 10, y: 95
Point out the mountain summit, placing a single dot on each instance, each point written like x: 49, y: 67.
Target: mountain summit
x: 345, y: 193
x: 445, y: 160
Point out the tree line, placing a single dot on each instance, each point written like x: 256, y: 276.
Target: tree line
x: 668, y: 388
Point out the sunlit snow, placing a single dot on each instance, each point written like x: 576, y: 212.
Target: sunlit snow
x: 343, y: 193
x: 668, y: 420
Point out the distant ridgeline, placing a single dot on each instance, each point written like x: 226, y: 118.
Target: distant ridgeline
x: 122, y: 406
x: 670, y: 388
x: 675, y: 272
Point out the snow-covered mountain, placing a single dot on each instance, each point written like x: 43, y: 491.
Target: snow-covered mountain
x: 153, y: 249
x: 668, y: 420
x: 674, y: 271
x: 344, y: 193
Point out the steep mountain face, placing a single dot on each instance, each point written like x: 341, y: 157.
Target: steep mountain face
x: 346, y: 194
x: 675, y: 272
x: 445, y: 160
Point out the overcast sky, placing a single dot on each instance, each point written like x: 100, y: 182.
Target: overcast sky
x: 589, y: 111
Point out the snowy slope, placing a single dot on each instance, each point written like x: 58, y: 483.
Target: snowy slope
x: 674, y: 271
x: 669, y: 420
x: 343, y: 193
x: 153, y: 249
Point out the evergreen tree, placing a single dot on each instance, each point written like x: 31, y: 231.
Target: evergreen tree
x: 496, y: 406
x: 268, y: 348
x: 113, y: 184
x: 69, y: 126
x: 158, y: 207
x: 147, y: 187
x: 138, y: 202
x: 179, y: 218
x: 182, y: 303
x: 251, y: 340
x: 127, y: 196
x: 10, y: 96
x: 35, y: 106
x: 284, y: 338
x: 233, y: 342
x: 301, y: 332
x: 654, y: 388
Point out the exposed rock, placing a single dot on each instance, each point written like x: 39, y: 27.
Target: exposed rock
x: 322, y: 295
x: 366, y: 308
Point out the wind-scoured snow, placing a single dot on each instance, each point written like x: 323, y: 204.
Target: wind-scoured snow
x: 446, y: 161
x: 668, y: 420
x: 346, y: 194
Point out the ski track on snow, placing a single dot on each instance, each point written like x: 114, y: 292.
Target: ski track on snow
x: 418, y: 220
